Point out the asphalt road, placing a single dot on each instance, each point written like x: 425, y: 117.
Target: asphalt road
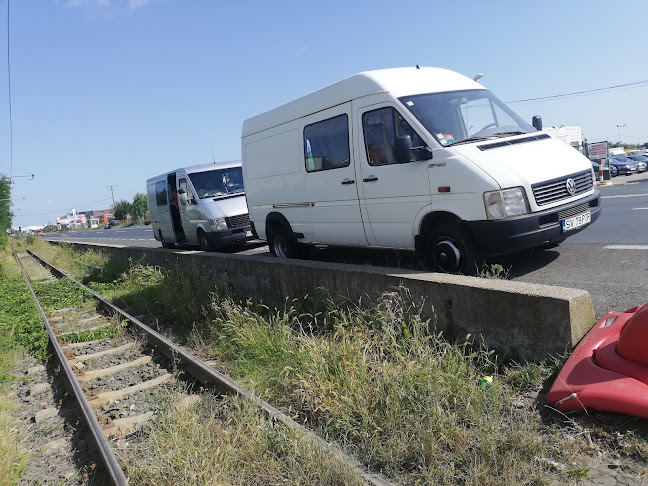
x: 609, y: 259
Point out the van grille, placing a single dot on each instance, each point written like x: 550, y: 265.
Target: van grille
x: 568, y: 213
x: 556, y: 189
x: 239, y: 221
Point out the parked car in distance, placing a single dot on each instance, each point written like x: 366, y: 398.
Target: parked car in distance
x: 641, y: 161
x: 624, y: 165
x: 597, y: 168
x: 114, y: 222
x: 39, y: 233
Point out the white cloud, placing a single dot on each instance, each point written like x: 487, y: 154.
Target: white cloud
x: 302, y: 50
x: 135, y: 4
x: 88, y: 3
x: 109, y: 5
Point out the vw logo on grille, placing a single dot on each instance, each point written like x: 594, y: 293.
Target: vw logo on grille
x: 571, y: 186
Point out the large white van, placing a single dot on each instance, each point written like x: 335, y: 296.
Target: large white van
x: 209, y: 210
x: 423, y: 159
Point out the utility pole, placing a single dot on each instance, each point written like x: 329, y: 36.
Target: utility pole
x: 620, y: 127
x: 113, y: 194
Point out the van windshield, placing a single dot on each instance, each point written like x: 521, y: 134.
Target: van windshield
x: 455, y: 117
x: 221, y: 182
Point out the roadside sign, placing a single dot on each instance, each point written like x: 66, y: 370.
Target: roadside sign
x: 598, y: 150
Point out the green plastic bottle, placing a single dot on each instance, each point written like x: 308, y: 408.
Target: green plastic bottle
x: 486, y: 381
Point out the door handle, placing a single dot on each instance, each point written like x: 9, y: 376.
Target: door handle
x: 348, y: 181
x: 370, y: 179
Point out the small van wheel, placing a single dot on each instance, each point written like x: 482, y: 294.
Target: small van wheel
x: 449, y: 249
x: 203, y: 241
x: 164, y: 243
x: 281, y: 245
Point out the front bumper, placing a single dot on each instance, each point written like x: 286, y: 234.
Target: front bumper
x: 498, y: 237
x: 230, y: 237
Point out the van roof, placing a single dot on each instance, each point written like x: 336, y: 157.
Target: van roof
x: 199, y: 168
x: 397, y: 81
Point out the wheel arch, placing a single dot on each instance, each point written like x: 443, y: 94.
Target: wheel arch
x: 431, y: 220
x: 274, y: 219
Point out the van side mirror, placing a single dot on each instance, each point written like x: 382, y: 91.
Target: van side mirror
x: 423, y: 153
x: 403, y: 149
x: 536, y: 121
x: 182, y: 197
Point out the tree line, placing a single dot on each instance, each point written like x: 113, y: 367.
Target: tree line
x: 137, y: 209
x: 5, y: 212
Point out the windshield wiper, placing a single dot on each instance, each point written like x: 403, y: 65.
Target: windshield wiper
x: 468, y: 140
x: 506, y: 134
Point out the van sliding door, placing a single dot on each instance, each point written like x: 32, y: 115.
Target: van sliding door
x: 331, y: 185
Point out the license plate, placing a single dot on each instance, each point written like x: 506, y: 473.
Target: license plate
x: 248, y: 234
x: 576, y: 221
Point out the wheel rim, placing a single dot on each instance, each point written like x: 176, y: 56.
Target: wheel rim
x: 279, y: 245
x: 447, y: 255
x: 204, y: 244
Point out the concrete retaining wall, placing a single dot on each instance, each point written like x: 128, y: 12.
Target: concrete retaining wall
x: 534, y: 320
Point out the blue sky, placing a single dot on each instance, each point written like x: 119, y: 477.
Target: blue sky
x: 112, y: 92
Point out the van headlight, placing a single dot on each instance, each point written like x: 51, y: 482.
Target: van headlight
x: 505, y: 203
x: 218, y: 224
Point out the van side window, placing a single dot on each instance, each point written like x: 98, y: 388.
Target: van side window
x: 161, y: 193
x: 326, y: 144
x: 381, y: 127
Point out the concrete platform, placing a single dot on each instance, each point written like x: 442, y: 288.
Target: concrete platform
x: 531, y: 320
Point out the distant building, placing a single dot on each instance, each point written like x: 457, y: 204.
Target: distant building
x: 94, y: 216
x: 571, y: 135
x: 71, y: 220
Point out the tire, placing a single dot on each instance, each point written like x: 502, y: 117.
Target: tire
x: 203, y: 241
x: 449, y: 249
x: 281, y: 245
x: 164, y: 243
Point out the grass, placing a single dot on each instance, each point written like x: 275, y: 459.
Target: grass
x: 17, y: 316
x: 226, y: 441
x: 381, y: 382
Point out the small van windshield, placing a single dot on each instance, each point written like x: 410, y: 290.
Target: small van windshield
x: 215, y: 183
x: 455, y: 117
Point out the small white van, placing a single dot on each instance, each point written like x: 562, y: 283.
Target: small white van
x: 200, y: 205
x: 412, y: 158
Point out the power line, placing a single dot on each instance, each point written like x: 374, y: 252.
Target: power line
x: 635, y: 84
x: 28, y: 173
x: 65, y: 209
x: 9, y: 92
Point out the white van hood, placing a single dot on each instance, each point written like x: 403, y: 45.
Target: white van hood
x: 525, y: 163
x: 226, y: 207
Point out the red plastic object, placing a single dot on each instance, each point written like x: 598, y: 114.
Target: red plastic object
x: 608, y: 370
x: 633, y: 340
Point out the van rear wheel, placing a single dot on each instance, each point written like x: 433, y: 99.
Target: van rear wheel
x: 281, y: 245
x: 449, y: 249
x: 164, y: 243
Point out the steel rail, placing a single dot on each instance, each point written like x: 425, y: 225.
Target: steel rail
x: 212, y: 378
x: 105, y: 451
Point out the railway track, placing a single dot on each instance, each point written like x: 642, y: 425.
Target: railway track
x: 114, y: 365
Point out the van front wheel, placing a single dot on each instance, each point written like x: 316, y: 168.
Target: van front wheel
x: 281, y: 245
x: 449, y: 249
x: 203, y: 241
